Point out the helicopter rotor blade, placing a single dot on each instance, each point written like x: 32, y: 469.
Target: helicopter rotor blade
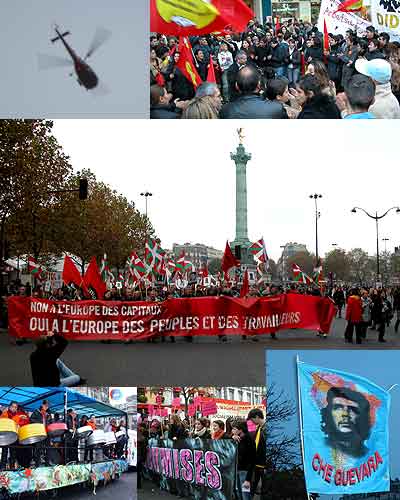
x: 100, y: 37
x: 46, y: 61
x: 100, y: 90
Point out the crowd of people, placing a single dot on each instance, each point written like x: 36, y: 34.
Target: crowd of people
x: 251, y: 447
x: 367, y: 309
x: 57, y: 449
x: 278, y: 72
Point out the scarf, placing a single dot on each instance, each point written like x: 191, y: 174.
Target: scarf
x: 200, y: 433
x: 218, y: 434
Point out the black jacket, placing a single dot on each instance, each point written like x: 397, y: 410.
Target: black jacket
x: 261, y: 450
x: 294, y: 58
x: 252, y: 106
x: 279, y: 55
x: 37, y: 417
x: 43, y: 363
x: 334, y: 64
x: 247, y: 455
x: 163, y: 112
x: 319, y: 106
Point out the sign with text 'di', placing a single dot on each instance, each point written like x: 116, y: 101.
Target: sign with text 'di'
x: 345, y: 424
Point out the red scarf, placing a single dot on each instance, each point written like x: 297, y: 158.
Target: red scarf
x: 218, y: 434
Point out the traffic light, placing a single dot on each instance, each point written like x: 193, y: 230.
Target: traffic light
x: 83, y: 189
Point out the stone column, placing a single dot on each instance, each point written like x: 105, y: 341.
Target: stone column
x: 241, y: 157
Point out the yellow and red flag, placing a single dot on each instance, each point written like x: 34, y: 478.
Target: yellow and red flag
x: 350, y: 6
x: 186, y: 64
x: 198, y: 17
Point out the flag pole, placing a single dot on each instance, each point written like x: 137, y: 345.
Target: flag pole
x: 301, y: 424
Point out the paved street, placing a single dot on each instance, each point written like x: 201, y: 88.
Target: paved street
x: 151, y: 492
x: 121, y: 489
x: 204, y: 361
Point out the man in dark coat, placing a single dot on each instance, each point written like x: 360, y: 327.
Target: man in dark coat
x: 160, y: 104
x: 260, y: 470
x: 44, y: 368
x: 250, y: 104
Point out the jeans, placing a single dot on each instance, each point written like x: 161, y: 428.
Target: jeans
x: 293, y: 75
x: 240, y: 479
x: 225, y: 86
x: 281, y: 71
x: 67, y: 377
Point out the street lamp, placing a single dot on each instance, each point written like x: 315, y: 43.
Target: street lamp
x: 146, y: 194
x: 377, y: 218
x: 317, y: 216
x: 283, y: 262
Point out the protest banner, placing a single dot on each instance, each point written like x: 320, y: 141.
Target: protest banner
x: 200, y: 468
x: 385, y: 16
x: 339, y: 22
x: 345, y: 432
x: 99, y: 320
x: 209, y: 408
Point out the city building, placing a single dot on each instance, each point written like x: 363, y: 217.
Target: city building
x: 288, y: 250
x: 306, y: 10
x: 197, y: 253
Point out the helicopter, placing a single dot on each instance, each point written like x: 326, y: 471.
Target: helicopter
x: 86, y: 77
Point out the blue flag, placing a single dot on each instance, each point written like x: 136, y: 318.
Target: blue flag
x: 345, y: 423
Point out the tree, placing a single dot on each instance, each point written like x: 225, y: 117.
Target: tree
x: 273, y: 269
x: 214, y: 266
x: 361, y: 266
x: 104, y: 223
x: 32, y: 167
x: 337, y: 262
x: 305, y: 260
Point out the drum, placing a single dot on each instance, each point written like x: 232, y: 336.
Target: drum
x: 57, y: 429
x: 8, y: 431
x: 97, y: 438
x: 110, y: 438
x: 120, y: 435
x: 84, y: 432
x: 31, y: 434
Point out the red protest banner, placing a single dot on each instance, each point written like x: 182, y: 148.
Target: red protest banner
x: 197, y: 401
x: 209, y: 408
x: 191, y: 410
x: 99, y: 320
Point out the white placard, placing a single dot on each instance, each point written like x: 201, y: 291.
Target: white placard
x: 339, y: 22
x: 385, y: 15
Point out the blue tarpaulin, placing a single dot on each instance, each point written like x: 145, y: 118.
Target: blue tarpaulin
x: 30, y: 399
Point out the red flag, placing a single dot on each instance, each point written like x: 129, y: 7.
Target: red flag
x: 70, y: 273
x: 326, y: 37
x: 277, y: 25
x: 197, y: 17
x: 211, y: 72
x: 92, y: 279
x: 245, y: 285
x: 186, y: 64
x: 302, y: 63
x: 350, y: 6
x: 228, y: 259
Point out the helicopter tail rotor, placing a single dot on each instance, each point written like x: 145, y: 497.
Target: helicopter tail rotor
x: 59, y: 37
x: 100, y: 37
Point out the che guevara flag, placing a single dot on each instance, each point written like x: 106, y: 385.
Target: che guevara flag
x: 198, y: 17
x: 345, y: 422
x: 186, y: 64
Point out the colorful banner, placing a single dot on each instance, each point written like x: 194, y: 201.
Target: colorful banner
x: 339, y: 22
x: 99, y: 320
x: 345, y: 421
x: 59, y: 476
x: 196, y: 468
x: 385, y: 16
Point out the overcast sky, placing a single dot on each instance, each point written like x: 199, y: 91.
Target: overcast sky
x: 121, y: 63
x: 187, y: 167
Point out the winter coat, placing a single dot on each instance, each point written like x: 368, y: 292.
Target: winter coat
x: 354, y: 309
x: 162, y: 112
x: 279, y: 56
x: 253, y: 106
x: 386, y: 105
x: 318, y: 107
x: 334, y: 65
x: 246, y: 455
x: 44, y: 363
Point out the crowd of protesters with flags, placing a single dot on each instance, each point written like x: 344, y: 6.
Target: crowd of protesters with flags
x: 284, y: 70
x: 249, y: 435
